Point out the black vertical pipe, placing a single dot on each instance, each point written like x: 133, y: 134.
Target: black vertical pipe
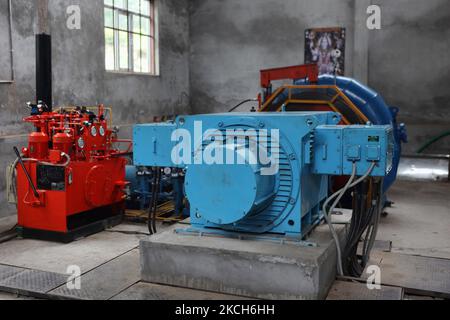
x: 44, y: 69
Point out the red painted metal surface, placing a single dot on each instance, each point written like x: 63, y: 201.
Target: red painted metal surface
x: 79, y: 143
x: 309, y: 71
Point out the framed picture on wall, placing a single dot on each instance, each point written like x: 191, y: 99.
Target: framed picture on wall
x: 326, y: 47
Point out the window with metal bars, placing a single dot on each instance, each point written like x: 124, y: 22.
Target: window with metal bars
x: 130, y: 44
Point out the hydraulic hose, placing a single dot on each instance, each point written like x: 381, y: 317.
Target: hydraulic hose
x: 65, y: 164
x: 7, y: 237
x: 433, y: 141
x: 11, y: 192
x: 27, y: 175
x: 242, y: 103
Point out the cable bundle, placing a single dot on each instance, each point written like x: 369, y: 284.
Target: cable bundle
x: 366, y: 216
x: 363, y: 227
x: 152, y: 211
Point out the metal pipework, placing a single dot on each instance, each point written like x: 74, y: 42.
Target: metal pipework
x: 44, y: 69
x: 424, y: 168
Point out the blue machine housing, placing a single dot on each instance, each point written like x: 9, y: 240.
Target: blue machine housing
x: 139, y: 193
x: 237, y: 196
x: 139, y: 187
x: 373, y: 106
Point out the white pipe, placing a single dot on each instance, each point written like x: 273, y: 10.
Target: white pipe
x: 65, y: 164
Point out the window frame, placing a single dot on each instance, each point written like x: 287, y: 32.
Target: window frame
x: 152, y: 36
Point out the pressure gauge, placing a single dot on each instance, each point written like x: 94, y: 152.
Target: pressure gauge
x: 102, y: 131
x: 81, y: 143
x: 94, y: 131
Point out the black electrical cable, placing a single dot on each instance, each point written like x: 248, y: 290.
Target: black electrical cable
x: 366, y: 215
x: 350, y: 250
x: 152, y: 212
x: 363, y: 226
x: 150, y: 208
x: 8, y: 235
x: 155, y: 201
x: 241, y: 103
x: 379, y: 206
x: 130, y: 233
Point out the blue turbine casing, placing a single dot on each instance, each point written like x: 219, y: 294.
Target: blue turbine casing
x: 241, y: 195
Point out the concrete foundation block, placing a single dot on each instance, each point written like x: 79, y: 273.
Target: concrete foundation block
x: 254, y: 269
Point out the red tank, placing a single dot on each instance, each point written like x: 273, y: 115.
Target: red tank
x: 63, y: 142
x: 38, y: 145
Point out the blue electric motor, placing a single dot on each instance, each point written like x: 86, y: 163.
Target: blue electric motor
x: 262, y: 172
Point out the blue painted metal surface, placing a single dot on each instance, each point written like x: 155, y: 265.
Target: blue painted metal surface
x: 243, y: 195
x: 139, y: 187
x: 337, y: 147
x: 140, y: 183
x: 376, y: 110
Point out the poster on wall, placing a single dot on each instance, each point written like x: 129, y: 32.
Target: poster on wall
x: 326, y: 48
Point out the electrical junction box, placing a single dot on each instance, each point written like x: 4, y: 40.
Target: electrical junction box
x: 336, y: 148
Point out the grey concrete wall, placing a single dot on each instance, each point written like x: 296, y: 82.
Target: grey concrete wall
x: 232, y: 40
x: 409, y: 64
x: 14, y: 96
x: 79, y: 75
x: 407, y: 61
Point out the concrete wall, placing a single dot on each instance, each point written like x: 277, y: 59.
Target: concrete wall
x: 232, y: 40
x: 14, y: 96
x: 79, y: 75
x: 409, y: 64
x: 407, y: 61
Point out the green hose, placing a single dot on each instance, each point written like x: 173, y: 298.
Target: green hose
x: 433, y: 141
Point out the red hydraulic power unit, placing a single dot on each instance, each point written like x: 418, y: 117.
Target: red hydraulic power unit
x: 70, y: 179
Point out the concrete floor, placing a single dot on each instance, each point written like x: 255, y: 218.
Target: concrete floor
x: 419, y: 222
x: 417, y: 225
x: 9, y: 296
x: 87, y: 253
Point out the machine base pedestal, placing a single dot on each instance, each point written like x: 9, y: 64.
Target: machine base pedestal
x: 254, y: 269
x: 72, y: 235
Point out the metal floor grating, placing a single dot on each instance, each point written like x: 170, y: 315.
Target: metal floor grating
x: 19, y: 280
x: 7, y: 271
